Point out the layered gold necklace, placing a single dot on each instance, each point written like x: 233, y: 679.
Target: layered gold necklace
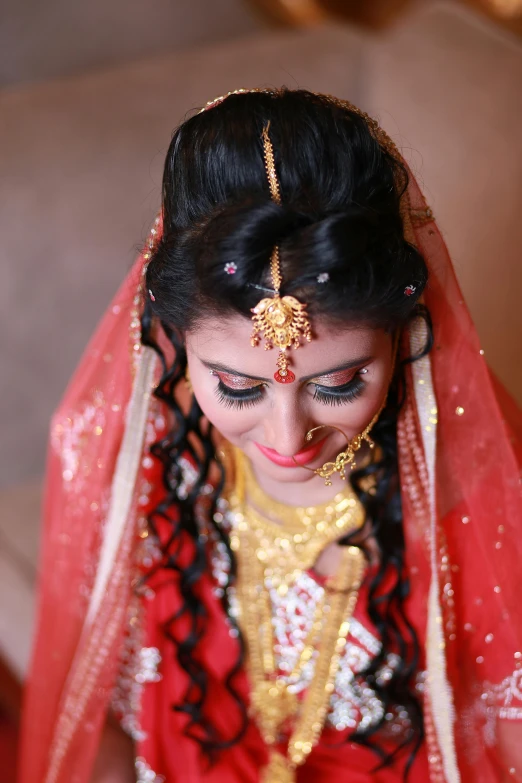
x: 271, y: 556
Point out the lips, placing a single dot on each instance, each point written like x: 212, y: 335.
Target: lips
x: 302, y: 457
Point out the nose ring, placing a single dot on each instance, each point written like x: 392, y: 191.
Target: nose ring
x: 344, y: 458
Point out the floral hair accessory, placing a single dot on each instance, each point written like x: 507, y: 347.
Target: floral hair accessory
x: 230, y: 268
x: 323, y: 277
x: 152, y: 297
x: 410, y: 290
x: 281, y: 320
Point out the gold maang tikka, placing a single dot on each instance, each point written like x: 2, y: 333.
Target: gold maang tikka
x: 282, y: 320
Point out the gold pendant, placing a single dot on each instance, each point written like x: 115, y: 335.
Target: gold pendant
x: 282, y: 321
x: 273, y: 704
x: 278, y: 770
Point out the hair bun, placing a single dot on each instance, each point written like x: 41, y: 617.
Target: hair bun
x: 247, y: 234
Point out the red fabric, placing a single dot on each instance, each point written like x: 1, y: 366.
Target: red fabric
x: 181, y: 760
x: 79, y: 471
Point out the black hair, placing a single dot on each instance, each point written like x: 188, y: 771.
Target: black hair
x: 340, y: 214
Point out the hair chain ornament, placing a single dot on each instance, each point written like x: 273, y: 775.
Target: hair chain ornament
x: 282, y: 320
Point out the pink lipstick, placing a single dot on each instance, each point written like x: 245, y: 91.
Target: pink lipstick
x: 302, y: 457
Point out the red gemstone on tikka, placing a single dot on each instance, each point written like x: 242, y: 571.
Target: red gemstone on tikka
x: 288, y: 377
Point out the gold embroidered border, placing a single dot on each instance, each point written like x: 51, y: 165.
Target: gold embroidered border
x: 439, y: 688
x: 105, y: 617
x: 125, y: 474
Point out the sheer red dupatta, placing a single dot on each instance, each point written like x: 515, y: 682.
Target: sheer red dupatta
x: 90, y: 514
x: 462, y: 513
x: 461, y: 500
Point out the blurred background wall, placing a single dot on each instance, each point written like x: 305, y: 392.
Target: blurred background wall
x: 91, y: 93
x: 56, y: 38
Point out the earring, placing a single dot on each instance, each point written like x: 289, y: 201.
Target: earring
x: 188, y: 381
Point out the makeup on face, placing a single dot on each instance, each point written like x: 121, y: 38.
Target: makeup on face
x: 341, y: 379
x: 302, y: 457
x: 332, y: 387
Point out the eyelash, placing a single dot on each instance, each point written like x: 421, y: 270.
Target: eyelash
x: 232, y: 398
x: 336, y: 395
x: 340, y: 395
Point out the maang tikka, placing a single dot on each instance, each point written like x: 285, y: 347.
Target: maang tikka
x: 281, y: 320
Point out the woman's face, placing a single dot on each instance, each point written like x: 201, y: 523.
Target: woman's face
x: 342, y: 378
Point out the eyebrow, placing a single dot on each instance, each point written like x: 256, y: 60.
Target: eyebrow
x: 338, y: 368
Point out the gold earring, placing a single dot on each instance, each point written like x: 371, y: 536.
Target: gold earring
x: 344, y: 458
x: 188, y: 381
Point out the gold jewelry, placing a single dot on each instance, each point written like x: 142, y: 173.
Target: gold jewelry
x: 292, y: 544
x: 281, y: 320
x: 344, y: 458
x: 347, y: 457
x: 284, y: 320
x: 274, y: 705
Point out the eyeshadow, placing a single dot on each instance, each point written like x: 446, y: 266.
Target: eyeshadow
x: 337, y: 378
x: 236, y: 381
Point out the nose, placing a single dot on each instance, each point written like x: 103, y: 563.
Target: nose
x: 285, y: 427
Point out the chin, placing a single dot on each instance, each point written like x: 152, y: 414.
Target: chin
x: 287, y: 475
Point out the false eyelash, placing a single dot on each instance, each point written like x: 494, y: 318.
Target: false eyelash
x: 340, y: 395
x: 232, y: 398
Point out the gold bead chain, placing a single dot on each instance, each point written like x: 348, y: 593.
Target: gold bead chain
x: 291, y: 545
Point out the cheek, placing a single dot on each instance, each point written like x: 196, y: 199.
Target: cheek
x: 355, y: 416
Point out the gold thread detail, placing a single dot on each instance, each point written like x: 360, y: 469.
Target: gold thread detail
x: 273, y: 182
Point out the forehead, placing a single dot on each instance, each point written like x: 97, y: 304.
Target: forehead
x: 227, y: 341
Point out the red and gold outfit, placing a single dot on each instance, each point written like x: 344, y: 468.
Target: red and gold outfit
x: 99, y: 640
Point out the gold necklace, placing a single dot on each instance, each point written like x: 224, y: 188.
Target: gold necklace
x: 293, y: 546
x: 255, y: 540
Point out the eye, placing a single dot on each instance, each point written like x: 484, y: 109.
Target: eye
x: 237, y: 392
x: 340, y: 395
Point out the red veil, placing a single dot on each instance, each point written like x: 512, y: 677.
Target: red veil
x: 461, y: 501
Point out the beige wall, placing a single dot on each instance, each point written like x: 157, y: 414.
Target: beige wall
x: 447, y: 84
x: 42, y: 39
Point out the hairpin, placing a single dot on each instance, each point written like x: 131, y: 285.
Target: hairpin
x: 230, y: 268
x: 261, y: 288
x: 152, y: 297
x: 323, y: 277
x: 410, y: 290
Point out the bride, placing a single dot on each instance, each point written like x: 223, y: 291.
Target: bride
x: 282, y: 517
